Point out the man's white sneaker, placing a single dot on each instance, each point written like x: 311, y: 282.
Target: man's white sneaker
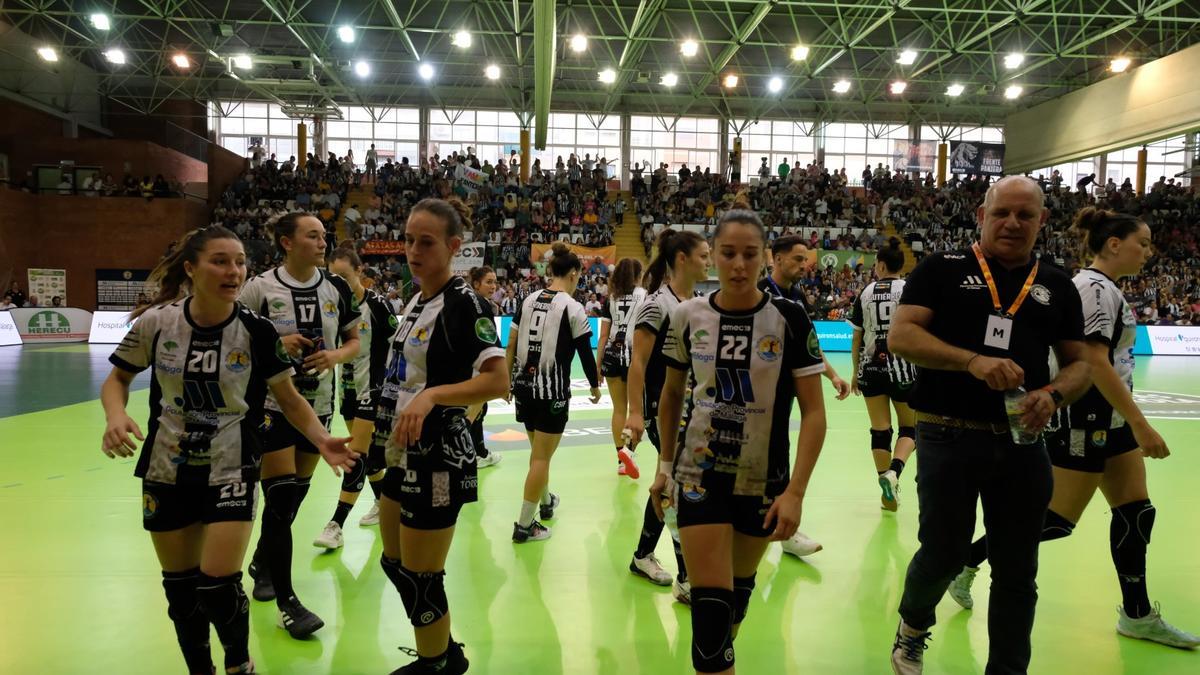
x: 1152, y: 627
x: 889, y: 485
x: 908, y: 651
x: 372, y: 517
x: 960, y: 588
x: 330, y: 538
x: 800, y: 545
x: 650, y: 568
x: 682, y: 591
x: 492, y: 459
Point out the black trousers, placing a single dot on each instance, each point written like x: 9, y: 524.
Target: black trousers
x: 956, y: 468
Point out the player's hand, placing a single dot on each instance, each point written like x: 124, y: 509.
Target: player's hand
x: 595, y: 397
x: 661, y: 496
x: 338, y: 454
x: 636, y: 426
x: 1036, y: 410
x: 295, y: 344
x: 1149, y: 440
x: 785, y: 514
x: 854, y: 386
x: 116, y: 441
x: 998, y: 374
x: 841, y: 386
x: 410, y: 421
x: 320, y: 361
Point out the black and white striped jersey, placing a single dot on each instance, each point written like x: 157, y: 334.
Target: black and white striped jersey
x: 872, y: 314
x: 207, y: 389
x: 1107, y: 318
x: 654, y: 314
x: 619, y: 312
x: 440, y: 340
x: 376, y: 324
x: 319, y: 309
x: 744, y: 364
x: 549, y: 327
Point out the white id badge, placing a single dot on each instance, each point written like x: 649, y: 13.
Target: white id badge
x: 999, y: 332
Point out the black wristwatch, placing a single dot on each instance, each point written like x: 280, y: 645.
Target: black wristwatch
x: 1055, y: 395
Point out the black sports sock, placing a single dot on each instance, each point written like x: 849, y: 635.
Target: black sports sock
x: 191, y: 625
x: 377, y: 488
x: 652, y: 529
x: 897, y: 466
x: 1053, y: 527
x: 225, y: 605
x: 275, y: 541
x: 340, y: 513
x: 682, y: 577
x: 1129, y: 536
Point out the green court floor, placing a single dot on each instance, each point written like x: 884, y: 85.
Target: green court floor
x: 80, y: 589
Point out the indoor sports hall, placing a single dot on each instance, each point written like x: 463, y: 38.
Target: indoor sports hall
x: 849, y: 124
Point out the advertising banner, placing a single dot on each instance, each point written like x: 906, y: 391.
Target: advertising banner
x: 119, y: 289
x: 504, y: 325
x: 8, y: 330
x: 585, y: 253
x: 46, y: 284
x: 469, y: 255
x: 42, y: 325
x: 383, y: 247
x: 109, y: 328
x: 914, y: 156
x: 839, y: 258
x: 1171, y: 340
x: 976, y: 158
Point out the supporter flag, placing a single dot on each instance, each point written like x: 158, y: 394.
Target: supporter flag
x: 977, y: 158
x: 471, y: 180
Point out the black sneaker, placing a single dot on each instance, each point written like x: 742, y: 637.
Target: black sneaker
x: 297, y: 620
x: 535, y: 532
x: 453, y: 662
x: 264, y: 588
x: 546, y: 511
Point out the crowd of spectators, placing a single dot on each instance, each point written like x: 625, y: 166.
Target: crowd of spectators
x: 93, y: 185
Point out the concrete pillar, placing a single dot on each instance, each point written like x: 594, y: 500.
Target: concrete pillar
x: 301, y: 145
x: 526, y: 155
x: 626, y: 160
x: 943, y: 155
x: 723, y: 146
x: 1140, y: 182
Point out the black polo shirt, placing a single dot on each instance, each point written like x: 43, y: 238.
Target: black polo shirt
x: 794, y: 293
x: 952, y: 285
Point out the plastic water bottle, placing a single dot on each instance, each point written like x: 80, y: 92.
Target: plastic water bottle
x: 1014, y: 399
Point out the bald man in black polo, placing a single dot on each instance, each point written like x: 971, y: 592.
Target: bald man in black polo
x: 976, y: 323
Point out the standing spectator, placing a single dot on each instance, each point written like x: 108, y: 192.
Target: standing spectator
x: 372, y: 161
x: 7, y: 303
x: 256, y: 154
x: 17, y: 297
x: 783, y: 169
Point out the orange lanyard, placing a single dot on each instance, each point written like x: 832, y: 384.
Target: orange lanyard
x: 987, y: 276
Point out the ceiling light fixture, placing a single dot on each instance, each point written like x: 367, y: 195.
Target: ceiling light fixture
x: 1013, y: 92
x: 1014, y: 61
x: 689, y: 48
x: 841, y: 86
x: 799, y: 53
x: 425, y: 71
x: 898, y: 87
x: 242, y: 61
x: 362, y: 68
x: 115, y: 56
x: 731, y: 81
x: 462, y: 39
x: 669, y: 80
x: 181, y: 61
x: 345, y: 34
x: 579, y: 43
x: 607, y: 76
x: 492, y: 71
x: 101, y: 21
x: 955, y: 89
x: 775, y: 85
x: 907, y: 57
x: 47, y: 54
x: 1119, y: 64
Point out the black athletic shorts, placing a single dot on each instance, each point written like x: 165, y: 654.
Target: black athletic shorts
x: 167, y: 507
x: 612, y: 363
x: 548, y: 417
x: 879, y: 382
x: 277, y: 433
x: 1088, y: 449
x: 359, y: 407
x: 430, y: 490
x: 698, y: 506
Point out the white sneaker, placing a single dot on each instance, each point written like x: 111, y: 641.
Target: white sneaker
x: 682, y: 590
x: 330, y: 538
x: 800, y: 545
x: 889, y: 484
x: 493, y: 458
x: 1152, y: 627
x: 372, y: 517
x: 960, y: 588
x: 908, y: 651
x: 650, y: 568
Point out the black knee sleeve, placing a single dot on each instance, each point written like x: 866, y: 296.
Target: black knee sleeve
x: 225, y: 605
x: 376, y: 461
x: 423, y: 593
x: 191, y: 625
x: 355, y: 479
x: 881, y: 440
x: 908, y: 432
x: 302, y: 485
x: 712, y: 629
x: 279, y: 494
x: 743, y: 587
x: 1132, y: 523
x: 1056, y: 527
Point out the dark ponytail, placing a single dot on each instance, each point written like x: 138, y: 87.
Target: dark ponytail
x: 740, y: 212
x: 625, y: 277
x: 670, y: 244
x: 1094, y: 226
x: 892, y: 256
x: 563, y: 261
x: 170, y: 275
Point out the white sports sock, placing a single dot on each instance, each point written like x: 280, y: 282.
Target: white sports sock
x: 527, y: 509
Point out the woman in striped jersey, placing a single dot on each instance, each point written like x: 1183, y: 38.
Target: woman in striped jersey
x: 549, y: 327
x: 361, y: 380
x: 313, y: 310
x: 483, y: 282
x: 681, y: 263
x: 1102, y: 440
x: 212, y: 362
x: 882, y: 378
x: 612, y: 351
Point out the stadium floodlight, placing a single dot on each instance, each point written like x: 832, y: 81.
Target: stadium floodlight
x: 731, y: 81
x: 492, y: 71
x: 462, y: 39
x: 907, y: 57
x: 101, y: 21
x: 116, y: 56
x: 1119, y: 64
x: 181, y: 61
x: 425, y: 71
x: 799, y: 53
x: 362, y: 68
x: 345, y: 34
x: 689, y: 48
x: 898, y: 87
x: 1014, y: 61
x: 841, y: 86
x: 1013, y: 92
x: 775, y: 85
x: 669, y: 80
x: 579, y: 43
x: 955, y: 89
x: 607, y: 76
x: 242, y: 61
x: 47, y: 54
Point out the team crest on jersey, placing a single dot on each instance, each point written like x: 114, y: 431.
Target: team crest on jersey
x: 329, y: 308
x: 699, y: 338
x: 170, y: 345
x: 485, y: 329
x: 267, y: 423
x: 694, y: 493
x: 703, y: 458
x: 1040, y: 293
x: 149, y: 505
x: 363, y: 327
x: 770, y: 347
x: 419, y: 337
x: 237, y: 361
x: 278, y: 305
x: 1099, y: 438
x: 814, y: 345
x: 393, y: 322
x: 282, y: 352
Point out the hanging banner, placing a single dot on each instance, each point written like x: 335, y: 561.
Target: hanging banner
x: 118, y: 289
x: 46, y: 284
x: 470, y: 180
x: 9, y: 335
x: 840, y: 258
x: 976, y: 158
x: 914, y: 156
x: 469, y: 255
x: 585, y: 253
x: 64, y: 324
x: 383, y: 247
